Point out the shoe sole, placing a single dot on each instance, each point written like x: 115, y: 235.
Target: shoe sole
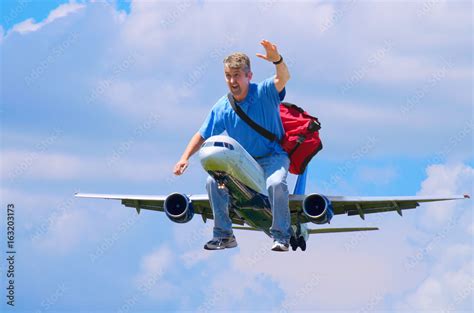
x: 280, y: 250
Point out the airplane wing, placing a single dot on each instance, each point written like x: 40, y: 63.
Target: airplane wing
x: 201, y: 203
x: 367, y: 205
x: 341, y: 204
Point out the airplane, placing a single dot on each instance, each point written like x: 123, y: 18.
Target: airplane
x: 237, y: 171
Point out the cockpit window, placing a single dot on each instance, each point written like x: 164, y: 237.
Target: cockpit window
x: 228, y: 146
x: 218, y: 144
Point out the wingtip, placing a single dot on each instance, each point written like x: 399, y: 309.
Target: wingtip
x: 467, y: 197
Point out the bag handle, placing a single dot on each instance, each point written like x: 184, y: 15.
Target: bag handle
x: 314, y: 126
x: 259, y: 129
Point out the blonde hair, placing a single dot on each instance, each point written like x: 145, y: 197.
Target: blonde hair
x: 238, y: 60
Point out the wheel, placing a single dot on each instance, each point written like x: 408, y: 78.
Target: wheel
x: 303, y: 246
x: 293, y: 243
x: 302, y: 243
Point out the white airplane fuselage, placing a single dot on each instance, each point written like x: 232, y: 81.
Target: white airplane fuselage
x: 222, y: 154
x: 237, y: 171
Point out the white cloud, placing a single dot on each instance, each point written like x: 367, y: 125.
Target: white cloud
x: 249, y: 294
x: 39, y: 165
x: 164, y: 21
x: 396, y: 68
x: 26, y: 26
x: 194, y: 257
x: 428, y: 296
x: 312, y: 280
x: 18, y: 165
x: 150, y: 280
x: 448, y: 289
x: 55, y: 225
x: 64, y: 10
x: 61, y: 11
x: 449, y: 284
x: 155, y: 263
x: 169, y: 102
x: 64, y: 232
x: 445, y: 179
x: 34, y: 206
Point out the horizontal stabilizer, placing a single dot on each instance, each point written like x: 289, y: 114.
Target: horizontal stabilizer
x: 339, y: 230
x: 245, y: 228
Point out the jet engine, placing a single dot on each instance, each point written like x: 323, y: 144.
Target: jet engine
x: 178, y: 208
x: 318, y: 209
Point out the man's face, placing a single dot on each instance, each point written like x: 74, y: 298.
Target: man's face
x: 238, y: 81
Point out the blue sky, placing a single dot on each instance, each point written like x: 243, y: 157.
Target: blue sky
x: 103, y: 97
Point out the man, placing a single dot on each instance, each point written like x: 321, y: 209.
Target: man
x: 261, y: 103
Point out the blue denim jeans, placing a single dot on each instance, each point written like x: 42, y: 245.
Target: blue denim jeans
x: 275, y: 168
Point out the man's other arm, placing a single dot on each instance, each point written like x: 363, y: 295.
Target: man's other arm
x: 193, y: 146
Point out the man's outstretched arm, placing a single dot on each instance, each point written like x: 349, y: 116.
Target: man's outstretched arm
x: 193, y: 146
x: 282, y: 74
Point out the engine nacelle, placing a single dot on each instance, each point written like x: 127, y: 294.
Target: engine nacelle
x: 178, y: 208
x: 318, y: 209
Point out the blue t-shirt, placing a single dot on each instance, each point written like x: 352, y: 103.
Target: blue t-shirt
x: 262, y: 105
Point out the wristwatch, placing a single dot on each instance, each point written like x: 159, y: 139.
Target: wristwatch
x: 279, y: 61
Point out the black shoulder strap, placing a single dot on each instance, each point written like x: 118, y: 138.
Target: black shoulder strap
x: 259, y: 129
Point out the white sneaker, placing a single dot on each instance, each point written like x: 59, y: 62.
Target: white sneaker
x: 278, y: 246
x: 221, y: 243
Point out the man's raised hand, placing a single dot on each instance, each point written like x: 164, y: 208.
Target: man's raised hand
x: 272, y: 54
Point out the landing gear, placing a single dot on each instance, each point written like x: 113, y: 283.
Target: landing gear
x: 295, y: 243
x: 302, y: 243
x: 297, y: 239
x: 221, y: 181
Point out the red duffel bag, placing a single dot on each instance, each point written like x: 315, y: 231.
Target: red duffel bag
x: 301, y: 140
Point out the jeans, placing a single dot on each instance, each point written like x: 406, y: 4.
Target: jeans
x: 275, y: 169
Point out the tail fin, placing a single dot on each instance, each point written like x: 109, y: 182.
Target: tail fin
x: 300, y: 187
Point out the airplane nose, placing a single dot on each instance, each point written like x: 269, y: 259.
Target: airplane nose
x: 211, y: 153
x: 213, y: 158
